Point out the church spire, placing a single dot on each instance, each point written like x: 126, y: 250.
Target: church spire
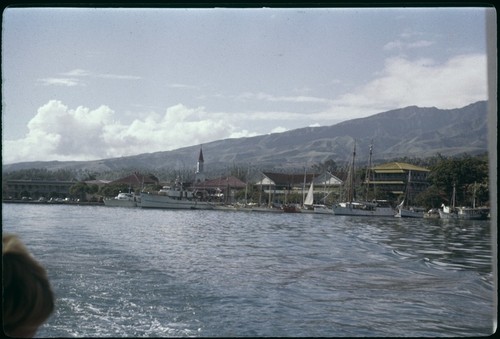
x: 200, y: 176
x: 200, y: 157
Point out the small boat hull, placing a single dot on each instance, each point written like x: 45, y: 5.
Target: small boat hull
x: 406, y: 213
x: 119, y: 203
x: 122, y: 200
x: 464, y: 213
x: 166, y: 202
x: 361, y: 209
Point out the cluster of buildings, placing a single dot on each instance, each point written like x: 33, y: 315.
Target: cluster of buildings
x: 390, y: 177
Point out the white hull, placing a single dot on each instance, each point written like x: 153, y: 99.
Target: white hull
x: 120, y: 203
x: 232, y: 208
x: 166, y: 202
x: 431, y: 215
x: 405, y: 213
x: 323, y: 210
x: 360, y: 209
x: 122, y: 200
x: 464, y: 214
x: 267, y: 210
x: 447, y: 215
x: 472, y: 213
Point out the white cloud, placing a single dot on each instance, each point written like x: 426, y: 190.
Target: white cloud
x: 75, y: 76
x: 59, y: 133
x: 243, y: 134
x: 402, y: 45
x: 116, y: 76
x: 456, y: 83
x: 248, y: 96
x: 182, y: 86
x: 60, y: 81
x: 279, y: 129
x: 77, y: 73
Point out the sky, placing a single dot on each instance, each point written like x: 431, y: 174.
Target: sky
x: 97, y: 83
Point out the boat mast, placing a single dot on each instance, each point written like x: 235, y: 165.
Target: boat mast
x: 474, y: 196
x: 324, y: 189
x: 246, y: 185
x: 270, y: 204
x: 350, y: 191
x: 453, y: 196
x: 408, y: 189
x: 368, y: 172
x: 304, y: 187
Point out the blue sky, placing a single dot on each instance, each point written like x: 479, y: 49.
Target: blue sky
x: 84, y: 84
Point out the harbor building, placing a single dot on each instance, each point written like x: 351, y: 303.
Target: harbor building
x: 17, y: 189
x: 222, y: 189
x: 394, y: 177
x: 325, y: 185
x: 283, y: 182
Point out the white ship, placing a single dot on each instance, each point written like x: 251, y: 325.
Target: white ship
x: 173, y: 198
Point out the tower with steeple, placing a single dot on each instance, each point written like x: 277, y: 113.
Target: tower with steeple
x: 200, y: 175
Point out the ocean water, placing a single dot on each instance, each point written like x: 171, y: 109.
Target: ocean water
x: 119, y: 272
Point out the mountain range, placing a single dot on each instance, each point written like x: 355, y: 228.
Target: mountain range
x: 407, y: 132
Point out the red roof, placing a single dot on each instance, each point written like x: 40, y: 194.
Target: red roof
x: 221, y: 182
x: 137, y: 179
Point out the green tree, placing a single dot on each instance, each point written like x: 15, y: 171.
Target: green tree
x: 93, y: 189
x: 460, y: 172
x: 79, y: 190
x: 432, y: 197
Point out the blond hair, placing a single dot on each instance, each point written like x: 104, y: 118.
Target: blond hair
x: 27, y: 296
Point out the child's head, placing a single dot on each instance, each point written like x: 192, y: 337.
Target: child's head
x: 27, y: 297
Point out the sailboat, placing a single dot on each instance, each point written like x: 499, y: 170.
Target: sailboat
x: 361, y: 208
x: 404, y: 210
x: 449, y: 212
x: 468, y: 213
x: 308, y: 204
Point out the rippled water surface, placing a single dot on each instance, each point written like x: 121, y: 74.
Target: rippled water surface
x: 159, y: 273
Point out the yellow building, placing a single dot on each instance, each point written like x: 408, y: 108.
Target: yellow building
x: 394, y: 176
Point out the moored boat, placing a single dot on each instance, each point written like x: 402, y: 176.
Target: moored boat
x: 471, y: 213
x: 409, y: 212
x: 322, y: 209
x: 405, y: 209
x: 447, y: 212
x: 174, y: 197
x: 466, y: 213
x: 379, y: 208
x: 290, y: 208
x: 122, y: 200
x: 266, y: 209
x: 433, y: 213
x: 364, y: 208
